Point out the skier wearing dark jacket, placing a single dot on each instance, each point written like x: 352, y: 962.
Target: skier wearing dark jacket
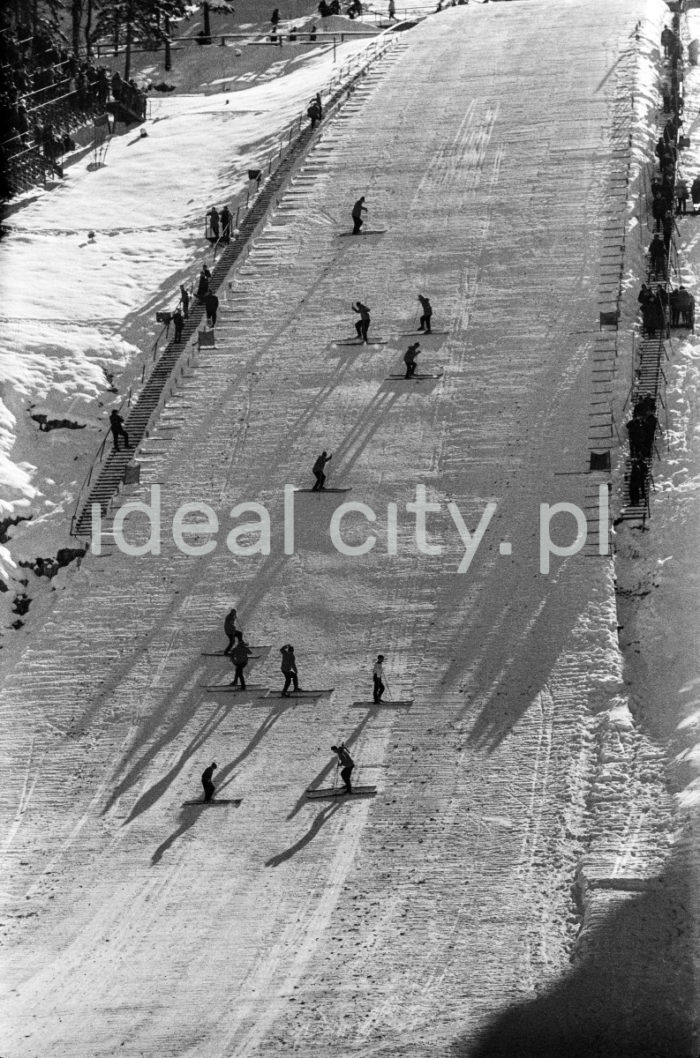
x: 289, y: 669
x: 427, y: 313
x: 318, y: 470
x: 239, y: 657
x: 230, y: 629
x: 207, y: 782
x: 347, y: 764
x: 362, y: 325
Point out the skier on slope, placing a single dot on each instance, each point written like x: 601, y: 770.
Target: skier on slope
x: 318, y: 470
x: 362, y: 325
x: 289, y: 669
x: 239, y: 658
x: 346, y: 764
x: 357, y: 210
x: 427, y: 313
x: 378, y: 687
x: 231, y: 629
x: 207, y: 782
x: 409, y: 359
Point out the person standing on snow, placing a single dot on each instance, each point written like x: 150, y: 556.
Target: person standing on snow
x: 230, y: 629
x: 427, y: 313
x: 207, y: 783
x: 239, y: 658
x: 289, y: 669
x: 357, y: 210
x: 318, y: 470
x: 362, y: 325
x: 346, y: 764
x: 378, y: 687
x: 116, y: 425
x: 409, y: 359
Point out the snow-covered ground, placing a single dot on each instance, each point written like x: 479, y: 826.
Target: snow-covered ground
x: 526, y: 816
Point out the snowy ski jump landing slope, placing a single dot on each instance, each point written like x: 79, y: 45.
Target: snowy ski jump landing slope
x: 405, y: 923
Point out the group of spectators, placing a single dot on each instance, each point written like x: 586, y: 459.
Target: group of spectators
x: 661, y: 306
x: 47, y: 93
x: 676, y: 306
x: 354, y: 10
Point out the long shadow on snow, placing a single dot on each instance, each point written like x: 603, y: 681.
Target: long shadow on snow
x: 631, y: 993
x: 150, y: 796
x: 225, y: 777
x: 356, y: 440
x: 323, y: 816
x: 188, y: 818
x: 514, y: 646
x: 330, y: 767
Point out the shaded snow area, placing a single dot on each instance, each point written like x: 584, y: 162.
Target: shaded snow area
x: 514, y: 875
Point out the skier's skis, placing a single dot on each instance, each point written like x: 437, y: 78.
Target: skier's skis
x: 418, y: 334
x: 226, y: 688
x: 405, y: 702
x: 359, y: 342
x: 213, y: 802
x: 413, y: 378
x: 274, y: 696
x: 322, y: 793
x: 366, y: 231
x: 323, y: 490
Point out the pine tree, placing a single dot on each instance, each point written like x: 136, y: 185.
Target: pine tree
x: 128, y: 21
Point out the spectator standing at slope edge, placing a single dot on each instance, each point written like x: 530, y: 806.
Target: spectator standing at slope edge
x: 211, y: 304
x: 185, y: 300
x: 695, y: 193
x: 179, y: 323
x: 213, y: 215
x: 116, y: 425
x: 225, y: 224
x: 203, y: 284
